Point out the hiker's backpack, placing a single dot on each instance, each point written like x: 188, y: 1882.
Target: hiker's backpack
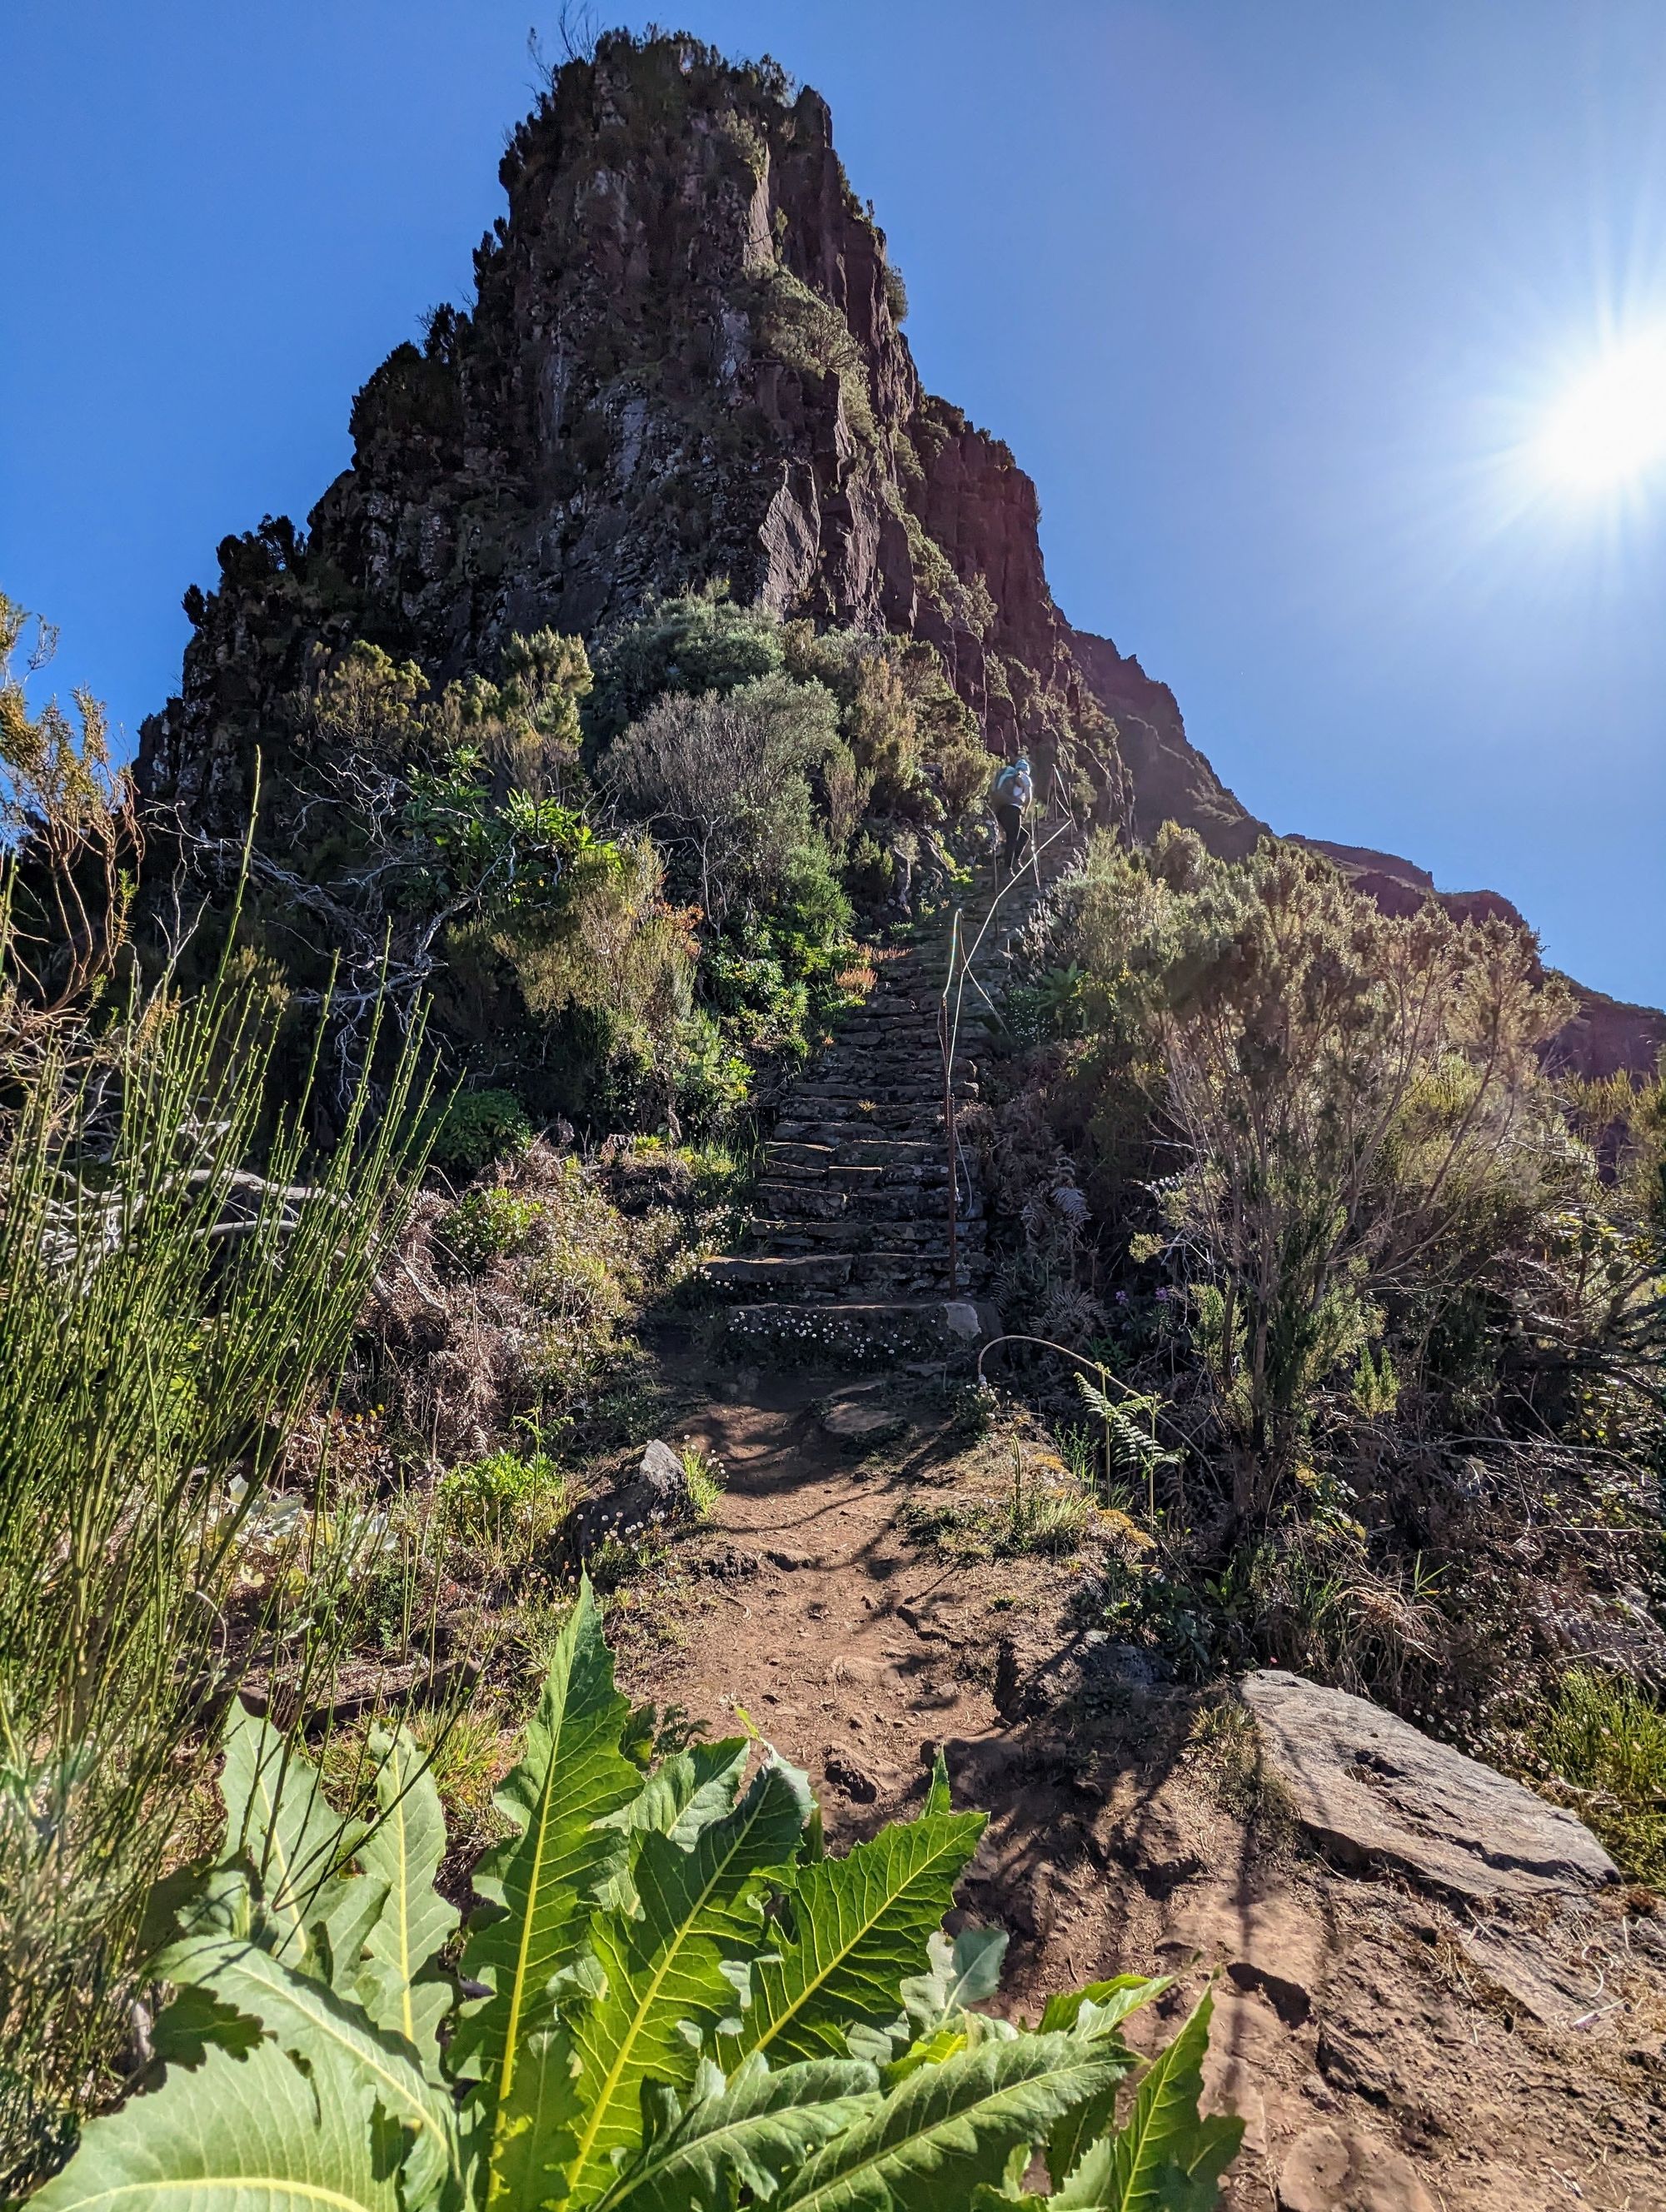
x: 1012, y: 786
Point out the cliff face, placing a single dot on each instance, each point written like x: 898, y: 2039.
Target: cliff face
x: 1172, y: 781
x: 684, y: 362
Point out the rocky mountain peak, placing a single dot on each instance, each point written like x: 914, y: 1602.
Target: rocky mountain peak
x: 684, y: 361
x: 686, y: 364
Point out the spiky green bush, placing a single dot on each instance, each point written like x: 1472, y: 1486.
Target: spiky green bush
x: 475, y: 1128
x: 688, y: 2004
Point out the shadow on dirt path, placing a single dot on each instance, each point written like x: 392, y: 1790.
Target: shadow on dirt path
x: 1376, y: 2069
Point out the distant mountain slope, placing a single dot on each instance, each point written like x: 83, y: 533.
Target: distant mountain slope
x: 1172, y: 781
x: 1605, y: 1037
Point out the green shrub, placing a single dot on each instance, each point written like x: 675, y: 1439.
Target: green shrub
x: 713, y: 1082
x: 1348, y: 1108
x: 686, y: 1998
x: 505, y: 1498
x: 870, y: 873
x: 477, y: 1129
x: 1607, y: 1736
x: 699, y: 1175
x: 697, y: 642
x: 486, y: 1225
x: 704, y: 1473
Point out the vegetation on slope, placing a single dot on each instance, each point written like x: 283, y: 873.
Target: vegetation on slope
x: 1385, y: 1285
x: 1363, y: 1298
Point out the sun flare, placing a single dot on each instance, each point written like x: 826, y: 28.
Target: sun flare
x: 1609, y: 428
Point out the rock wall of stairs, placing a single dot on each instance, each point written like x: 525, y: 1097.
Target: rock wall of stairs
x: 848, y: 1254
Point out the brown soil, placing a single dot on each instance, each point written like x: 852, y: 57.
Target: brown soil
x: 1128, y: 1831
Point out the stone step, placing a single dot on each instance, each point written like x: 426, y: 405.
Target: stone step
x: 916, y: 1031
x: 915, y: 1049
x: 794, y: 1155
x: 918, y: 1009
x: 860, y: 1332
x: 906, y: 1157
x: 870, y: 1199
x: 919, y: 1233
x: 918, y: 1126
x: 891, y: 1152
x: 903, y: 1274
x: 871, y: 1079
x: 796, y: 1271
x: 851, y: 1091
x: 897, y: 1202
x: 802, y: 1200
x: 821, y: 1176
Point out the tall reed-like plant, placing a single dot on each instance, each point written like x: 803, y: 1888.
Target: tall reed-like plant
x: 175, y: 1275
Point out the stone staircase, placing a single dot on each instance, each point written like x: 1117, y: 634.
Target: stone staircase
x: 847, y: 1258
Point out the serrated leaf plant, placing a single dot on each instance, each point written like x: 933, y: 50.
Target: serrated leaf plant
x: 669, y: 1999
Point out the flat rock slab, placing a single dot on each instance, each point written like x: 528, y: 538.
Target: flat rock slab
x: 1337, y: 2170
x: 849, y: 1418
x: 1372, y: 1789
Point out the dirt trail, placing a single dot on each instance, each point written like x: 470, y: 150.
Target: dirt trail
x: 1377, y: 2069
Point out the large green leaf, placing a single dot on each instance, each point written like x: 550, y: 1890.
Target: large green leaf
x: 950, y: 2127
x: 1168, y: 2158
x: 964, y: 1969
x: 278, y: 1818
x: 539, y: 1886
x: 860, y: 1925
x: 1104, y: 2002
x: 347, y: 1910
x: 747, y: 2134
x: 686, y: 1792
x: 241, y: 2134
x: 314, y: 2024
x: 682, y: 1795
x: 1097, y: 2009
x: 398, y: 1985
x: 702, y: 1910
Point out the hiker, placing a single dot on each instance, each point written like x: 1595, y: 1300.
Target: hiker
x: 1013, y: 791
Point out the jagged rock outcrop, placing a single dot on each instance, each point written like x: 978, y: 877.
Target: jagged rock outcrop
x: 1172, y: 781
x: 684, y: 361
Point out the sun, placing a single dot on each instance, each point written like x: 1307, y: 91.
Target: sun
x: 1608, y: 429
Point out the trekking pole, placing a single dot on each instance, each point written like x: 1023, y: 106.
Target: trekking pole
x: 945, y: 1040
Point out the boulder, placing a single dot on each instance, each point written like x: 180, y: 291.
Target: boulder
x: 1374, y: 1791
x: 655, y: 1496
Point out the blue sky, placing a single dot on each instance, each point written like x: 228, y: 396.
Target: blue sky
x: 1271, y: 300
